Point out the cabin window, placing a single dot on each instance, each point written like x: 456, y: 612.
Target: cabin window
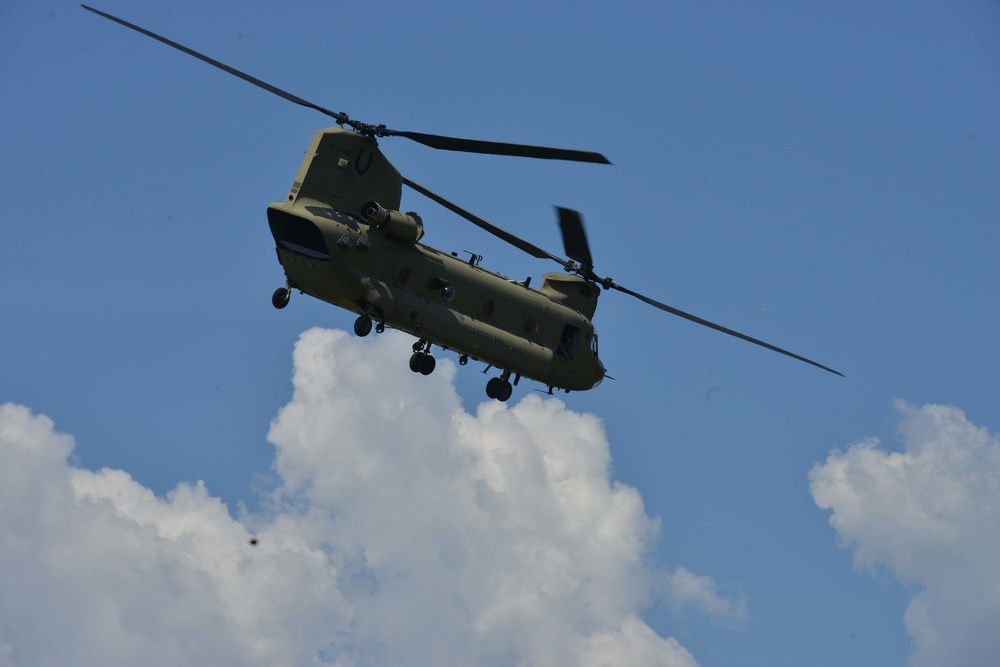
x: 567, y: 342
x: 404, y: 275
x: 529, y: 325
x: 488, y: 308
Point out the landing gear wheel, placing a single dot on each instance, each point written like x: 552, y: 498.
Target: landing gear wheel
x: 423, y: 363
x: 416, y: 361
x: 499, y: 389
x: 427, y: 364
x: 504, y: 391
x: 363, y: 326
x: 492, y: 386
x: 280, y: 297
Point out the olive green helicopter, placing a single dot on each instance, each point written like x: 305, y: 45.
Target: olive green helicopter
x: 340, y: 237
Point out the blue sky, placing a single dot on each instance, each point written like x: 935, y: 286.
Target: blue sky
x: 822, y: 177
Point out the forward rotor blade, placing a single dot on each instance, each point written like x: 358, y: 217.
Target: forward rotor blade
x: 215, y: 63
x: 515, y: 241
x: 499, y: 147
x: 575, y: 238
x: 717, y: 327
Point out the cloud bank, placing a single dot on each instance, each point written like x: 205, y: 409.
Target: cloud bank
x: 930, y: 513
x: 401, y: 530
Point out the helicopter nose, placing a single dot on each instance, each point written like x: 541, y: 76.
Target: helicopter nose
x: 601, y: 372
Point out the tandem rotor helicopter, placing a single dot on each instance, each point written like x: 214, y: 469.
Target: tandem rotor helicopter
x: 340, y: 238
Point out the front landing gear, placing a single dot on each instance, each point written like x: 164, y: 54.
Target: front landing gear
x: 421, y: 360
x: 500, y: 388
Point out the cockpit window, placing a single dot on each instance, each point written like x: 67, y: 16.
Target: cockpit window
x: 567, y: 342
x: 593, y: 344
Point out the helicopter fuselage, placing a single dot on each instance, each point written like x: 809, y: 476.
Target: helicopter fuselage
x: 332, y: 250
x: 341, y: 238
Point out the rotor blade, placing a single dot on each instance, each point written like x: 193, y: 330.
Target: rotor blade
x: 518, y: 243
x: 574, y: 238
x: 499, y: 148
x: 712, y: 325
x: 225, y: 68
x: 431, y: 140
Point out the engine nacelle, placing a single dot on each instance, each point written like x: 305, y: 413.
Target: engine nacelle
x: 401, y: 227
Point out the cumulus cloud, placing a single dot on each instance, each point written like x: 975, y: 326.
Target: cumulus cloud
x: 686, y: 590
x: 930, y: 513
x: 96, y: 570
x: 401, y: 529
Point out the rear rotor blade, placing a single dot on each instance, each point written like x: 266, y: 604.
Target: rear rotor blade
x: 515, y: 241
x: 717, y: 327
x: 499, y: 147
x: 574, y: 238
x: 215, y: 63
x: 431, y: 140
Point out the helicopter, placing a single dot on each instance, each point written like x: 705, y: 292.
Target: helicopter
x: 340, y: 237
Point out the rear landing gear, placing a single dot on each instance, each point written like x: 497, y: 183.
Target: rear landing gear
x: 363, y: 326
x: 281, y: 297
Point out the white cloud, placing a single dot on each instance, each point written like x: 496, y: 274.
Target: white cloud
x: 686, y: 590
x: 402, y: 530
x: 930, y: 513
x: 96, y: 570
